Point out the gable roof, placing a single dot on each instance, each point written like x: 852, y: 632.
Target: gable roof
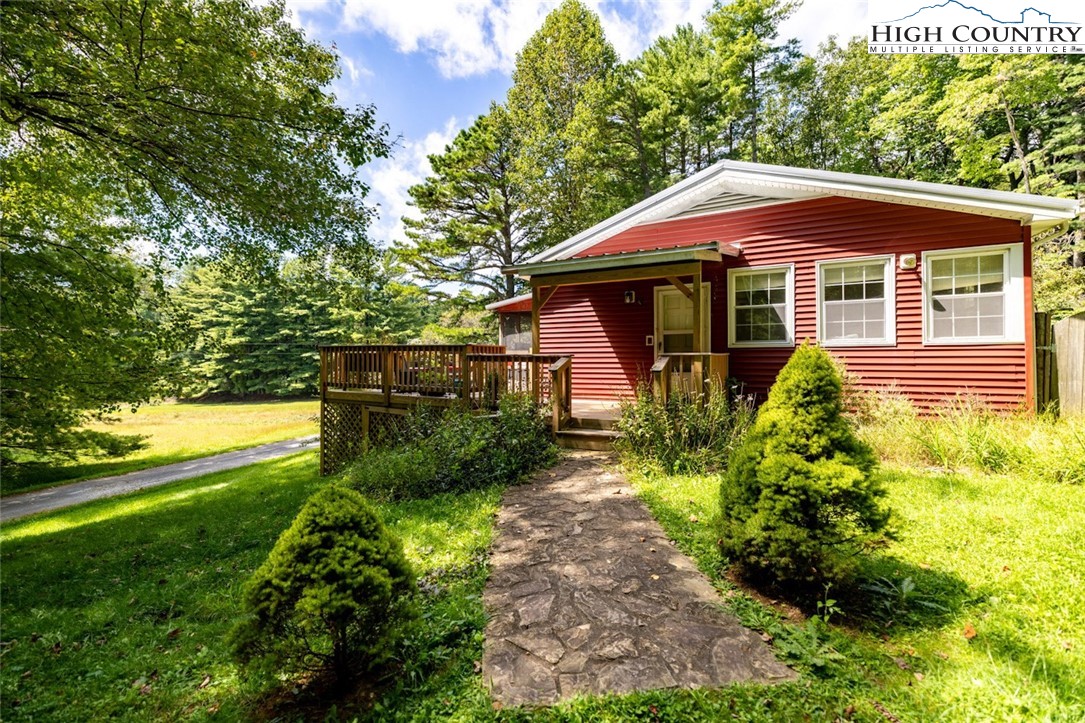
x: 735, y: 185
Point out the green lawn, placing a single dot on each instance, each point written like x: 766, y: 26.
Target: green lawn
x: 1000, y: 555
x: 175, y: 433
x: 120, y: 608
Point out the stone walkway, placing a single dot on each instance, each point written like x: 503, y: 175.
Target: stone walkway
x: 588, y: 596
x: 55, y: 498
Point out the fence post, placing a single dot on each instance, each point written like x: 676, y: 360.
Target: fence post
x: 465, y: 387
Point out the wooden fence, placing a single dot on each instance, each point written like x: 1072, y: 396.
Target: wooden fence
x: 1047, y: 378
x: 1070, y: 359
x: 1060, y: 364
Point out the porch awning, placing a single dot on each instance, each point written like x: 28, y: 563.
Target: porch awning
x: 613, y: 266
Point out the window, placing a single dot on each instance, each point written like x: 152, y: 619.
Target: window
x: 855, y: 302
x: 762, y: 309
x: 973, y: 295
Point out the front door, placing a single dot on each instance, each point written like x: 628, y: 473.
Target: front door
x: 674, y: 328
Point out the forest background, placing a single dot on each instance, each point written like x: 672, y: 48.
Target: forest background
x: 184, y: 216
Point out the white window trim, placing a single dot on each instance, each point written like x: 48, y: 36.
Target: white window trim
x: 789, y: 321
x: 1013, y: 290
x: 890, y: 338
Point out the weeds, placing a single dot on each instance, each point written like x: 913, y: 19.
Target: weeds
x: 689, y: 434
x: 966, y: 434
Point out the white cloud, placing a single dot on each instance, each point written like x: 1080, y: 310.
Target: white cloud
x: 355, y: 70
x: 390, y: 178
x: 474, y: 37
x: 816, y: 20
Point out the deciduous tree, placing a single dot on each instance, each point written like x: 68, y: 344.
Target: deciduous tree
x: 151, y: 128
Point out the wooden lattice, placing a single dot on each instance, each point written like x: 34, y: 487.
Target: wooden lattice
x: 341, y: 435
x: 385, y: 426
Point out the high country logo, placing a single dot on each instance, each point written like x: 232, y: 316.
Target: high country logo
x: 955, y: 27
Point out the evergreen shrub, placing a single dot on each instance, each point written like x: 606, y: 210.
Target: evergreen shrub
x: 332, y: 595
x: 798, y: 500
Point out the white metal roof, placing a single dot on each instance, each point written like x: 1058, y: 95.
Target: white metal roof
x: 730, y: 186
x: 498, y: 305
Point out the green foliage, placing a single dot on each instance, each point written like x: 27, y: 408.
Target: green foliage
x: 750, y: 60
x: 475, y: 218
x: 558, y: 110
x: 684, y: 436
x: 456, y: 451
x: 258, y: 334
x: 133, y: 135
x: 798, y: 499
x: 333, y: 593
x: 968, y: 435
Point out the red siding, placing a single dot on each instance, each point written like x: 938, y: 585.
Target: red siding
x: 607, y: 336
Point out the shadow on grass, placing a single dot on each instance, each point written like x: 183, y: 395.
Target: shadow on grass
x: 891, y: 593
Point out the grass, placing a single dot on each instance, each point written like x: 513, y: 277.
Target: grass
x: 176, y: 433
x: 119, y: 608
x: 1000, y: 555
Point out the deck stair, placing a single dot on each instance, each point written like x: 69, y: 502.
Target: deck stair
x: 588, y: 433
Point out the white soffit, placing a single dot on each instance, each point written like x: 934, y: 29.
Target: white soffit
x: 734, y: 185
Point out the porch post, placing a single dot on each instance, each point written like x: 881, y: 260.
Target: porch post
x: 698, y: 332
x: 536, y: 307
x: 697, y: 363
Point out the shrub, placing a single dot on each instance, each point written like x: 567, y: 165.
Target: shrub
x: 332, y: 594
x: 385, y: 473
x: 798, y: 499
x: 683, y: 435
x: 456, y: 451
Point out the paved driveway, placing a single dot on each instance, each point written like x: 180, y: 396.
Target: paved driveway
x: 55, y: 498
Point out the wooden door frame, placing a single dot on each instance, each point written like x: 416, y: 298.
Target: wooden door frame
x: 705, y: 315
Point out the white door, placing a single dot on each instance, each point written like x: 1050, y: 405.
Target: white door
x: 674, y: 327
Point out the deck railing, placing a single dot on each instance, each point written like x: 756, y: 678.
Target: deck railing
x: 687, y: 371
x: 478, y: 374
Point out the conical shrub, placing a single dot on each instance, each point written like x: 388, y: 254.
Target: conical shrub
x: 798, y: 501
x: 331, y: 595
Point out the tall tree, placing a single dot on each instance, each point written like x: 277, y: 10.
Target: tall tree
x: 259, y: 334
x: 687, y: 110
x: 181, y: 126
x: 558, y: 107
x: 751, y: 60
x: 475, y: 218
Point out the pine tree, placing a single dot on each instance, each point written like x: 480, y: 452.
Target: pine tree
x: 798, y: 499
x: 558, y: 109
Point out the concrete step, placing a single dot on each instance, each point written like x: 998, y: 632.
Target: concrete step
x: 597, y: 439
x: 590, y: 423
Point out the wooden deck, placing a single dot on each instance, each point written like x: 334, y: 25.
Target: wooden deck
x: 366, y: 389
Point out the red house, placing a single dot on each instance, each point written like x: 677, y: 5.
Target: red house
x: 925, y: 287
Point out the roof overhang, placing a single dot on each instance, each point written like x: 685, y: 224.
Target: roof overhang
x: 730, y: 186
x: 711, y: 252
x: 516, y: 303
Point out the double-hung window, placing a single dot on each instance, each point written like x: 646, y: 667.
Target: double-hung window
x: 855, y: 302
x: 974, y: 295
x: 762, y: 308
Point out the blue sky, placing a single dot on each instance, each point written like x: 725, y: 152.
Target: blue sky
x: 432, y: 66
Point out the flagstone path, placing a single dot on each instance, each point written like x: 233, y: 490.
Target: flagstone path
x: 588, y: 596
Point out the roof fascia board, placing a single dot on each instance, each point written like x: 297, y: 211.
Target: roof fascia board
x: 1013, y: 205
x: 508, y: 302
x: 701, y: 252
